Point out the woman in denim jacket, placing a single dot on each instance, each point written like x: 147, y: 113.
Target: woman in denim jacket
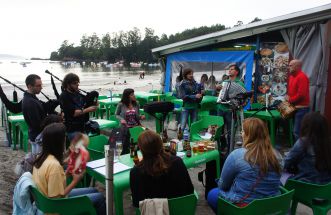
x: 251, y: 172
x: 190, y: 92
x: 310, y: 158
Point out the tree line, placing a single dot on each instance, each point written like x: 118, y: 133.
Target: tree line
x: 127, y: 46
x: 124, y: 46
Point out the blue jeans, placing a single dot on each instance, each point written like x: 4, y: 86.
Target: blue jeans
x: 99, y: 202
x: 299, y: 114
x: 212, y: 199
x: 35, y: 147
x: 193, y: 113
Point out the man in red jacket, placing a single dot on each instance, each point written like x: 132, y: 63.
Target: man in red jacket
x: 298, y: 93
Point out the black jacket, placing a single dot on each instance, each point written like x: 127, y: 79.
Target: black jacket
x: 175, y: 183
x: 69, y: 103
x: 34, y: 113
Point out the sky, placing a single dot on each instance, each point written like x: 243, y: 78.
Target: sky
x: 35, y: 28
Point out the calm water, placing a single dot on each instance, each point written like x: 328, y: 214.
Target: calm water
x: 91, y: 78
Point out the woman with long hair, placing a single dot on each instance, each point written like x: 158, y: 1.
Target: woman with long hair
x: 48, y: 173
x: 158, y: 174
x: 127, y: 112
x: 190, y: 92
x: 251, y: 172
x: 310, y: 159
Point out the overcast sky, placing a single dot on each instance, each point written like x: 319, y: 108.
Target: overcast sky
x: 35, y: 28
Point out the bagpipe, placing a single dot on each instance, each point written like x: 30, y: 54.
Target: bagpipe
x: 16, y: 107
x: 90, y: 98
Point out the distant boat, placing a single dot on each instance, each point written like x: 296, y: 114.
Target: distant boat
x: 135, y: 65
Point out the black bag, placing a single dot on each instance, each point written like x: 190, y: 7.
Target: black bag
x: 210, y: 174
x: 92, y: 127
x: 91, y: 98
x: 158, y: 107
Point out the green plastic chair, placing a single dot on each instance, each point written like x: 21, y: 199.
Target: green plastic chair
x: 184, y: 205
x: 80, y: 205
x: 202, y: 124
x: 101, y: 109
x: 23, y: 136
x: 96, y: 146
x: 306, y: 193
x: 135, y: 132
x: 156, y: 91
x: 272, y: 205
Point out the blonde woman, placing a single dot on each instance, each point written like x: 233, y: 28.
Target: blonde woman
x: 251, y: 172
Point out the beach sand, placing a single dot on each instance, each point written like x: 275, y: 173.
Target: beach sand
x: 9, y: 157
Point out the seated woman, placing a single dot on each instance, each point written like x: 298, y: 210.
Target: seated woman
x: 159, y: 174
x: 251, y: 172
x: 127, y: 112
x: 310, y: 158
x: 48, y: 173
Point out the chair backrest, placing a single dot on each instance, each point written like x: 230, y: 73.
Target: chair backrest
x: 135, y: 132
x: 96, y: 146
x: 196, y: 127
x: 79, y: 205
x: 306, y: 192
x: 184, y: 205
x: 267, y: 206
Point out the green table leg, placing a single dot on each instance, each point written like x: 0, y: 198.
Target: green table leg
x: 12, y: 132
x: 118, y: 202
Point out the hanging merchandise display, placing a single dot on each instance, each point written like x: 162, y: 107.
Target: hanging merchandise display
x: 273, y: 69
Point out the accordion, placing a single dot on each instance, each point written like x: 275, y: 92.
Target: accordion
x: 230, y: 90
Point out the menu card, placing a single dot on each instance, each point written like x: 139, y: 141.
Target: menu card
x: 118, y: 167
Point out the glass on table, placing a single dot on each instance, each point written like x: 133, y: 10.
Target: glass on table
x: 118, y: 149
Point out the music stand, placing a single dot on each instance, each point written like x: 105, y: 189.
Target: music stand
x: 159, y: 107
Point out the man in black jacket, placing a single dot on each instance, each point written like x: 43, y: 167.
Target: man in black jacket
x: 32, y: 108
x: 76, y: 114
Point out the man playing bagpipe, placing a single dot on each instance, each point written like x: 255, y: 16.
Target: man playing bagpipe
x: 35, y: 110
x: 76, y: 107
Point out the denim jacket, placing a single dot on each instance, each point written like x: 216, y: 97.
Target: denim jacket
x: 239, y: 179
x: 188, y: 90
x: 302, y: 158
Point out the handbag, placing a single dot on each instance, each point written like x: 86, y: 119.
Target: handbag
x: 92, y: 127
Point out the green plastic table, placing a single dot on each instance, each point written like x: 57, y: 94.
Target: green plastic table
x: 147, y: 97
x: 207, y: 103
x: 264, y: 115
x: 12, y: 122
x: 122, y: 179
x: 108, y: 103
x: 104, y: 123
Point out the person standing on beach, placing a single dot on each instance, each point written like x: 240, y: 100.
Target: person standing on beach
x: 190, y: 92
x: 72, y: 103
x: 32, y: 108
x: 298, y: 93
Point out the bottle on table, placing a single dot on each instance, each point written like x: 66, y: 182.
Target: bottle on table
x: 186, y: 139
x: 180, y: 134
x: 188, y: 151
x: 164, y: 136
x: 135, y: 157
x: 132, y: 148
